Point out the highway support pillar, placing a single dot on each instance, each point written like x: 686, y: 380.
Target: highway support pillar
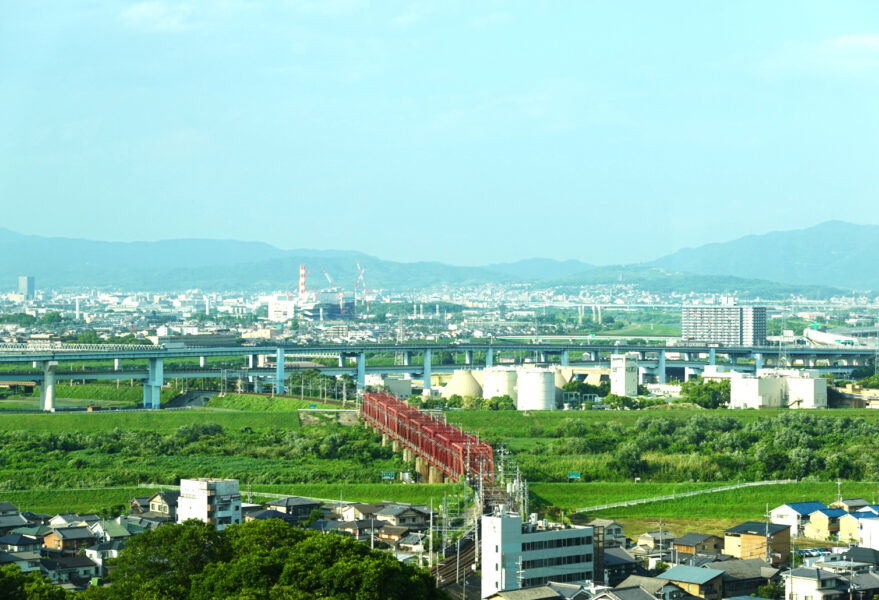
x: 758, y: 361
x: 712, y: 356
x: 660, y: 367
x: 542, y: 357
x: 564, y: 358
x: 341, y: 359
x: 117, y: 364
x: 153, y: 384
x: 468, y: 357
x: 252, y: 361
x: 406, y: 359
x: 489, y: 357
x: 427, y: 371
x: 202, y: 361
x: 47, y: 390
x: 279, y: 371
x: 361, y: 371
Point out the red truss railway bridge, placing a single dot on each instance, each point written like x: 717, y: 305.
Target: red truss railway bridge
x: 440, y: 451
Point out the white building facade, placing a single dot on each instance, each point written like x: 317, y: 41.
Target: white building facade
x: 726, y: 324
x: 516, y: 555
x: 624, y: 374
x: 216, y: 501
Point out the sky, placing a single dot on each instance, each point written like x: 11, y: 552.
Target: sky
x: 463, y: 132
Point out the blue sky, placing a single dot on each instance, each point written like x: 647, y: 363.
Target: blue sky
x: 465, y: 132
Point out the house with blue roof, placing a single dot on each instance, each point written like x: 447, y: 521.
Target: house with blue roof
x: 795, y: 515
x: 850, y: 525
x: 824, y: 523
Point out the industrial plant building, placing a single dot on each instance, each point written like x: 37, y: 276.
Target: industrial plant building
x: 727, y: 324
x: 518, y: 555
x: 624, y: 374
x: 530, y: 387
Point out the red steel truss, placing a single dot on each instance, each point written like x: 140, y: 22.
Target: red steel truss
x: 449, y: 449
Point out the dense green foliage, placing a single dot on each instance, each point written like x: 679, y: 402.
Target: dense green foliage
x: 260, y: 559
x: 53, y: 459
x: 685, y: 445
x: 261, y: 403
x: 15, y: 585
x: 707, y: 394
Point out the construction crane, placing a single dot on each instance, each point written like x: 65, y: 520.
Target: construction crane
x: 335, y: 288
x: 361, y: 282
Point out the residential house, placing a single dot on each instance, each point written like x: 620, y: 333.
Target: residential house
x: 270, y: 514
x: 362, y: 529
x: 865, y: 555
x: 392, y: 534
x: 658, y: 589
x: 814, y: 584
x: 873, y: 508
x: 864, y: 585
x: 298, y: 508
x: 139, y: 505
x: 634, y: 592
x: 850, y: 525
x: 744, y: 577
x: 35, y: 531
x: 698, y: 581
x: 753, y: 539
x: 795, y: 515
x: 618, y: 565
x: 110, y: 531
x: 16, y: 542
x: 656, y: 540
x: 100, y: 552
x: 613, y: 532
x: 850, y: 504
x: 824, y: 523
x: 358, y: 511
x: 10, y: 522
x: 73, y: 520
x: 698, y: 543
x: 541, y: 592
x: 69, y: 538
x: 413, y: 542
x: 74, y: 569
x: 836, y: 563
x: 164, y: 504
x: 404, y: 516
x: 7, y: 509
x: 26, y: 561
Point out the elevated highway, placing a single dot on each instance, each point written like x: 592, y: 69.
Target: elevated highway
x: 51, y: 363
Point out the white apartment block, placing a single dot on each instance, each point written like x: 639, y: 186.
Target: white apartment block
x: 516, y: 555
x: 216, y: 501
x: 624, y: 374
x: 726, y: 325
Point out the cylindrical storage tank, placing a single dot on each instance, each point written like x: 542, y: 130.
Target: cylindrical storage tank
x: 499, y: 381
x: 536, y: 389
x: 463, y: 384
x: 559, y: 381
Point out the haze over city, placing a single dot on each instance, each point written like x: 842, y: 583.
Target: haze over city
x: 464, y: 133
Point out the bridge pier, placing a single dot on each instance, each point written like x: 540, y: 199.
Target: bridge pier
x: 117, y: 364
x: 385, y: 439
x: 202, y: 361
x: 541, y: 357
x: 660, y: 367
x: 758, y: 361
x: 406, y: 358
x: 341, y: 359
x: 152, y: 386
x: 280, y: 376
x: 395, y: 446
x: 361, y: 371
x: 712, y: 356
x: 468, y: 357
x: 47, y: 390
x: 427, y: 372
x: 434, y: 475
x: 564, y: 358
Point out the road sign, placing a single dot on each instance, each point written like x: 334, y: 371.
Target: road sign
x: 388, y: 475
x: 574, y: 475
x: 312, y: 406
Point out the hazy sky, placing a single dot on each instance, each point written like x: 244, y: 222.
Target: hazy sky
x: 466, y: 132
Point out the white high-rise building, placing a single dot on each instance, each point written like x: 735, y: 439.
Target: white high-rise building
x: 516, y: 555
x: 216, y: 501
x: 624, y: 374
x: 726, y: 325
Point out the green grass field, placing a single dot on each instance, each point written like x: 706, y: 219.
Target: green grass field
x: 251, y: 403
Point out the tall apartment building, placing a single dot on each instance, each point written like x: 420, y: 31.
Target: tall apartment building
x: 26, y: 286
x: 624, y: 374
x: 516, y: 555
x: 726, y: 325
x: 216, y: 501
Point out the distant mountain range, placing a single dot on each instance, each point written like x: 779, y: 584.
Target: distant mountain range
x: 814, y: 262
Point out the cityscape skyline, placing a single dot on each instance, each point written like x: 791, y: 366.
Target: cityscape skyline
x: 400, y: 129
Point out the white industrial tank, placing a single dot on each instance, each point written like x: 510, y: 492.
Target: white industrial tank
x: 463, y: 384
x: 536, y: 389
x: 499, y: 381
